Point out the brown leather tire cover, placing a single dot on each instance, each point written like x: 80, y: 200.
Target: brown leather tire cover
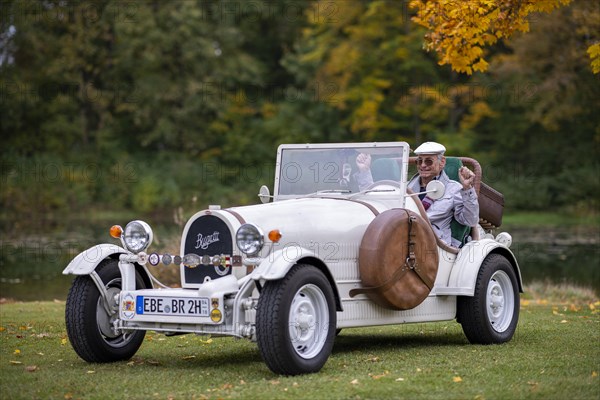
x: 383, y: 251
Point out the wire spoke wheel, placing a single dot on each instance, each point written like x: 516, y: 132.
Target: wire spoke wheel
x: 90, y: 326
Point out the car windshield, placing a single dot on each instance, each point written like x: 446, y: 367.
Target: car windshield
x: 308, y: 169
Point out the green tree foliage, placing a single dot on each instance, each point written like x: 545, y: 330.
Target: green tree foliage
x: 546, y: 130
x: 140, y: 85
x: 382, y: 86
x: 153, y: 105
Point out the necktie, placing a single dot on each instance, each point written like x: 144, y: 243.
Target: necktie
x: 427, y: 202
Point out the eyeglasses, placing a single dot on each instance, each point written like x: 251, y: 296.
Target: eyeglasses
x: 428, y: 161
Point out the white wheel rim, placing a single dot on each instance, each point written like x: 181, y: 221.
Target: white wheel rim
x: 500, y: 301
x: 309, y: 321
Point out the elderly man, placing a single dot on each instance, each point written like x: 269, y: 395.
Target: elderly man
x: 459, y: 200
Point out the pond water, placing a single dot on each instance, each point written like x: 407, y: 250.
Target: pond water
x: 31, y: 264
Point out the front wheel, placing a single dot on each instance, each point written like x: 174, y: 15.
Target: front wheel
x: 491, y: 315
x: 89, y: 325
x: 296, y: 321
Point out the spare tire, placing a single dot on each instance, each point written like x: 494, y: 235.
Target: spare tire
x: 395, y: 273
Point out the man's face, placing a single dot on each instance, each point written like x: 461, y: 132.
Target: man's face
x: 430, y: 165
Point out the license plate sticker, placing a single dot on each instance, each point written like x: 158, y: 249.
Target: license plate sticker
x: 152, y: 305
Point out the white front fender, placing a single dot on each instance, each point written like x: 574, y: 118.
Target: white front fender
x: 278, y: 263
x: 85, y: 262
x: 466, y: 266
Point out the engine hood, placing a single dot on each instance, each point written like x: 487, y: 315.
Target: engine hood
x: 304, y: 220
x: 330, y: 228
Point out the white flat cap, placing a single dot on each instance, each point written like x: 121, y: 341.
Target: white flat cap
x: 430, y: 148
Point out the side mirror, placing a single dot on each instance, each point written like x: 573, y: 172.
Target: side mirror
x: 264, y: 194
x: 435, y: 190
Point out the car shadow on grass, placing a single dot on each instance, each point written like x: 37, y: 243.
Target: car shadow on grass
x: 210, y: 354
x: 348, y: 341
x: 228, y: 351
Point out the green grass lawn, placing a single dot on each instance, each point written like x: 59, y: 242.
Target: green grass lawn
x: 555, y: 354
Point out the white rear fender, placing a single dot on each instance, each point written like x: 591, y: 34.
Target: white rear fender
x: 466, y: 267
x: 87, y: 261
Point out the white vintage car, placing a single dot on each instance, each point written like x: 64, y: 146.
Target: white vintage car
x: 290, y: 273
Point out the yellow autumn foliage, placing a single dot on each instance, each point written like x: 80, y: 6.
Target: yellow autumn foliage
x: 594, y: 52
x: 458, y: 30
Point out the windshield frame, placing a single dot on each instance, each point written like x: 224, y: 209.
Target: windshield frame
x: 370, y: 147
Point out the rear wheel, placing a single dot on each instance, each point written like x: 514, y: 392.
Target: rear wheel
x: 89, y: 325
x: 296, y: 321
x: 491, y: 315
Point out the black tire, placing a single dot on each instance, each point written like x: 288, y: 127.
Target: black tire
x: 296, y: 321
x: 491, y: 315
x: 89, y: 326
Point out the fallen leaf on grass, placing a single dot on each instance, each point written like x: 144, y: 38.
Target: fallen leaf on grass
x: 457, y: 379
x: 2, y: 329
x: 354, y: 382
x: 31, y: 368
x: 564, y: 321
x: 91, y: 372
x: 15, y: 362
x: 17, y: 352
x: 533, y: 385
x: 379, y: 376
x: 188, y: 357
x: 594, y: 374
x: 63, y: 341
x: 400, y: 380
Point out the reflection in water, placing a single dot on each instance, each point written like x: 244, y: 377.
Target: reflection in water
x: 568, y: 255
x: 31, y: 266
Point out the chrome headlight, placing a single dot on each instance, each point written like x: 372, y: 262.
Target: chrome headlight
x: 249, y: 239
x: 137, y: 236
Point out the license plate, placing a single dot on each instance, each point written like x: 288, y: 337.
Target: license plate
x: 152, y: 305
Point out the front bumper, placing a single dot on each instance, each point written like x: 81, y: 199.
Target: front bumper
x: 205, y: 310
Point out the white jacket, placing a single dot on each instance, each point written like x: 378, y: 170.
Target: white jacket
x: 456, y: 202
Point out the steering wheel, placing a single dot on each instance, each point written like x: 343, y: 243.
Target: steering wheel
x: 381, y: 183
